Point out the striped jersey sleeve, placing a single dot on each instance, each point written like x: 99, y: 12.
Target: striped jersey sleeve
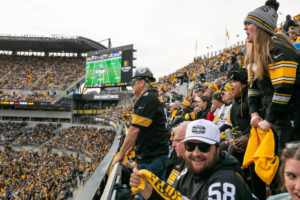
x: 283, y: 77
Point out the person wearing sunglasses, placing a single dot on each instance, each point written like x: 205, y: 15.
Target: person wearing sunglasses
x: 178, y: 146
x: 210, y: 173
x: 289, y: 172
x: 148, y: 130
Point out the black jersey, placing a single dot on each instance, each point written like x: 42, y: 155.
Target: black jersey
x: 150, y: 115
x: 224, y: 182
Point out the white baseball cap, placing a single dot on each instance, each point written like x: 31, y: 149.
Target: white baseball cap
x: 203, y: 131
x: 197, y: 99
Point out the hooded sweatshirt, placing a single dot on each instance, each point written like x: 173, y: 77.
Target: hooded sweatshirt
x: 223, y: 182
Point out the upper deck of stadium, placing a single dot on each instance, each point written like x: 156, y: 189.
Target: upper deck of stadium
x: 56, y: 43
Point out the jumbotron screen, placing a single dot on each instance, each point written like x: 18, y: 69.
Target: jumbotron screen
x: 109, y: 68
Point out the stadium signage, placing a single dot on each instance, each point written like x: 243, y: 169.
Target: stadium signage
x: 106, y: 97
x: 24, y: 103
x: 122, y: 48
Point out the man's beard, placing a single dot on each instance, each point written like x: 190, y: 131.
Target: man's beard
x: 206, y: 170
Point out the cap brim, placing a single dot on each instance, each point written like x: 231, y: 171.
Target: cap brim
x: 200, y: 139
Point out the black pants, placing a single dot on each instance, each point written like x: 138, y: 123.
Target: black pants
x: 258, y: 186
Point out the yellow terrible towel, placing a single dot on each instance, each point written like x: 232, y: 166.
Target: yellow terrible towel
x: 162, y: 188
x: 260, y: 150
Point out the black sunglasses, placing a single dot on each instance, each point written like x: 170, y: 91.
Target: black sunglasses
x: 203, y: 147
x: 134, y: 80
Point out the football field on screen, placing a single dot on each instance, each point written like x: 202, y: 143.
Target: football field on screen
x: 103, y: 71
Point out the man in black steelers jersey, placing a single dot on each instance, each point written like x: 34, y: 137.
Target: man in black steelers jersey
x: 148, y: 130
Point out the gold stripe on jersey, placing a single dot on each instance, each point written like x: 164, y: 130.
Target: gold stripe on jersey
x: 142, y: 121
x: 283, y: 62
x: 283, y: 72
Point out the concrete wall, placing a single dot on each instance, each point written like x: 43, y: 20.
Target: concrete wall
x: 37, y: 114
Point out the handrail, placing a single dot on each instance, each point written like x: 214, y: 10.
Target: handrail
x: 109, y: 185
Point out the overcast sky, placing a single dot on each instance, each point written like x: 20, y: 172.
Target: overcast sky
x: 164, y: 32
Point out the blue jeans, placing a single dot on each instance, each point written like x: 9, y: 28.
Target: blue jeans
x: 157, y: 166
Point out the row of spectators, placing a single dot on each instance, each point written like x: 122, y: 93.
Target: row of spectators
x: 37, y: 135
x: 206, y: 68
x: 40, y: 73
x: 27, y: 175
x: 91, y: 141
x: 19, y: 133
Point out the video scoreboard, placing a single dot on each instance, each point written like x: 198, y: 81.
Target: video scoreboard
x: 109, y: 67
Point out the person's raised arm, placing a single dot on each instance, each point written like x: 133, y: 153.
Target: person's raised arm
x: 128, y: 143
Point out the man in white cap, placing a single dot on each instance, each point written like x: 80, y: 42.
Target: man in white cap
x: 210, y: 173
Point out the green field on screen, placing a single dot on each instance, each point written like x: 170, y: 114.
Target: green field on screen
x: 103, y: 72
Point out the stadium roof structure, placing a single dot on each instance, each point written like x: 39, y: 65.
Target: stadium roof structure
x: 73, y: 44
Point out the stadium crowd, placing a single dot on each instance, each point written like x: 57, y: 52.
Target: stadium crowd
x: 220, y: 90
x: 29, y: 175
x: 91, y: 141
x: 243, y: 101
x: 19, y: 133
x: 40, y: 73
x: 37, y: 135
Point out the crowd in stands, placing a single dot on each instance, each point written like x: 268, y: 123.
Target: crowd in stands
x: 26, y: 175
x: 212, y: 67
x: 32, y: 175
x: 91, y: 141
x: 39, y: 73
x: 37, y: 135
x: 10, y: 131
x: 221, y: 89
x: 111, y: 112
x: 19, y: 133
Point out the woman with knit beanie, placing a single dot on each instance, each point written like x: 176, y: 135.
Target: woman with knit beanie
x: 272, y: 77
x: 272, y: 73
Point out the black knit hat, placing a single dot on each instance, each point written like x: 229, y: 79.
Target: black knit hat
x: 240, y: 75
x: 217, y: 96
x: 264, y: 17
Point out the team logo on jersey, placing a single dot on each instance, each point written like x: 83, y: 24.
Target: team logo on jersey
x: 198, y: 129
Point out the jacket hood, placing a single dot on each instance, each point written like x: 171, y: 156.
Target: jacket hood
x: 228, y: 162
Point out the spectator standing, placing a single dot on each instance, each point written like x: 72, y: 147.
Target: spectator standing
x: 288, y: 23
x: 148, y: 130
x: 273, y: 66
x: 233, y: 65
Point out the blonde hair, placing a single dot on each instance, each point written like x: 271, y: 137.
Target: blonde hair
x: 259, y: 52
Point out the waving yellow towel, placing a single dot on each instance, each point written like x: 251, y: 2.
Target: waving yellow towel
x: 162, y: 188
x: 260, y: 150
